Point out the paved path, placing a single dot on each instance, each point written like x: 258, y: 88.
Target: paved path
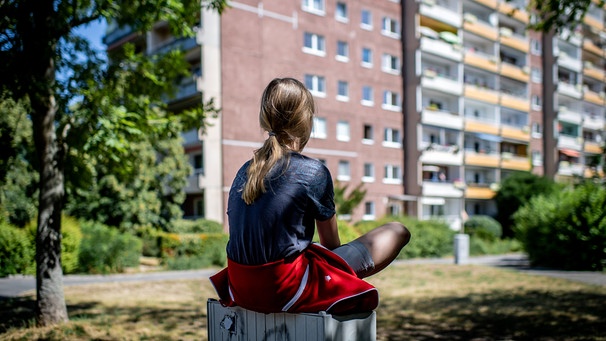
x: 17, y: 285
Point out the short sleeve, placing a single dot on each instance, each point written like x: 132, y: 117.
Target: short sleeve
x: 321, y: 194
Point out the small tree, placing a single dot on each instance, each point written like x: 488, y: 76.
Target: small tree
x: 346, y: 202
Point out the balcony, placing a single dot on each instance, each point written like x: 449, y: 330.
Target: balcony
x: 511, y: 11
x: 481, y: 159
x: 116, y: 33
x: 515, y: 162
x: 488, y: 3
x: 567, y: 168
x: 571, y: 90
x: 593, y: 122
x: 569, y: 62
x: 432, y: 10
x: 485, y: 127
x: 591, y: 71
x: 515, y: 133
x: 592, y: 147
x: 515, y: 102
x: 195, y: 182
x: 479, y: 28
x: 183, y: 44
x: 443, y: 83
x: 442, y: 118
x: 593, y: 22
x: 441, y: 154
x: 441, y: 189
x: 515, y: 72
x: 590, y: 46
x: 566, y: 115
x: 481, y: 61
x: 594, y: 97
x: 441, y: 48
x: 570, y: 142
x: 481, y: 94
x: 513, y: 40
x: 479, y: 191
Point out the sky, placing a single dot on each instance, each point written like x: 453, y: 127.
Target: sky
x: 94, y: 31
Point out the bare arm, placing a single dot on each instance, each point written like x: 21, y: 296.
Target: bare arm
x: 329, y: 233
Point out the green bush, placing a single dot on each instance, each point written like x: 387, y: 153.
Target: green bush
x: 196, y: 226
x: 479, y: 246
x: 106, y: 250
x: 429, y: 238
x: 483, y: 227
x: 193, y: 251
x: 71, y: 237
x: 16, y: 251
x: 566, y: 229
x: 151, y: 240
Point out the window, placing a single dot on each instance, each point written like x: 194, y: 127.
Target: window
x: 536, y: 75
x: 341, y: 12
x: 344, y: 173
x: 343, y: 131
x: 198, y: 163
x: 391, y: 138
x: 316, y: 85
x: 318, y: 130
x: 314, y: 44
x: 535, y: 47
x: 199, y: 207
x: 342, y: 91
x: 369, y: 172
x: 390, y: 27
x: 369, y: 210
x: 368, y: 134
x: 367, y: 96
x: 366, y: 19
x: 390, y: 64
x: 536, y: 102
x: 314, y: 6
x: 391, y: 100
x: 536, y: 130
x: 366, y: 57
x: 537, y: 158
x: 342, y: 51
x: 392, y: 174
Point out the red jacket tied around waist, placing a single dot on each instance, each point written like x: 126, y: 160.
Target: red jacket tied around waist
x: 316, y: 280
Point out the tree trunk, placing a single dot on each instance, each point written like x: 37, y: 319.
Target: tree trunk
x: 50, y: 308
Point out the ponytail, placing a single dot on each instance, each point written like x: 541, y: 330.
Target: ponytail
x: 263, y: 160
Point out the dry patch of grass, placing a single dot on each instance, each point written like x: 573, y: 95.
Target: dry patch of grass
x: 418, y: 302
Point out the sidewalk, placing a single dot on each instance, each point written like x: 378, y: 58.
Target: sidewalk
x: 16, y: 285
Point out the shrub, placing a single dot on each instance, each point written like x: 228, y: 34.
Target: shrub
x: 566, y: 229
x: 193, y: 251
x: 105, y: 249
x: 478, y: 246
x: 483, y: 227
x: 196, y: 226
x: 71, y: 237
x: 16, y: 251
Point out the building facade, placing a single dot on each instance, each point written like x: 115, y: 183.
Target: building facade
x: 429, y: 104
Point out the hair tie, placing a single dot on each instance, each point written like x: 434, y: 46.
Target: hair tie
x: 271, y: 133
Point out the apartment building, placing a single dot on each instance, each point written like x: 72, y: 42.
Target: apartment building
x: 429, y: 104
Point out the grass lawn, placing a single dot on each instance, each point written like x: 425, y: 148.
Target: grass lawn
x: 418, y: 302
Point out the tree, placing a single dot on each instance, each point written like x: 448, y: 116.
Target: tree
x: 37, y: 43
x: 516, y: 190
x: 557, y: 15
x: 346, y: 202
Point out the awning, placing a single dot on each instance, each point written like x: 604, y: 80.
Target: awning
x: 432, y: 201
x: 488, y: 137
x: 431, y: 168
x: 570, y: 152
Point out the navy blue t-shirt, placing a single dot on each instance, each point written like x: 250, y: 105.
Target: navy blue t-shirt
x: 280, y: 222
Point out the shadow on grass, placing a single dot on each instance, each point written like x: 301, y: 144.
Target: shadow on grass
x: 529, y: 315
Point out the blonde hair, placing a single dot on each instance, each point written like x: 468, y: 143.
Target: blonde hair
x: 287, y: 110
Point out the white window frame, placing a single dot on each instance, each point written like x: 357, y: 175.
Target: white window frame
x: 344, y: 170
x: 387, y: 64
x: 318, y: 129
x: 366, y: 101
x: 536, y: 75
x: 342, y: 91
x: 318, y: 44
x: 392, y: 138
x: 391, y: 101
x: 317, y: 7
x: 342, y: 56
x: 316, y: 85
x: 536, y: 102
x: 536, y: 158
x: 390, y: 27
x: 536, y: 47
x: 366, y: 62
x: 393, y: 174
x: 370, y: 175
x: 339, y: 16
x: 366, y: 140
x: 369, y: 211
x: 536, y: 130
x: 366, y: 25
x: 343, y: 131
